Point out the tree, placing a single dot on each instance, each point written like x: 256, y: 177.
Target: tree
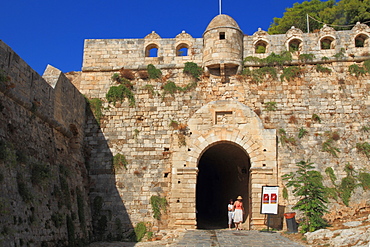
x: 344, y: 12
x: 307, y: 184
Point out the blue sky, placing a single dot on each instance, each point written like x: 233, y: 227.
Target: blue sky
x: 52, y: 32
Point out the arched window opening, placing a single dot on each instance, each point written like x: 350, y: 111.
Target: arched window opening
x: 151, y: 50
x: 361, y: 40
x: 260, y: 47
x: 326, y: 43
x: 182, y: 50
x: 295, y: 45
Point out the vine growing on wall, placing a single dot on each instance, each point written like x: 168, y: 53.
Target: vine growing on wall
x: 159, y: 205
x: 192, y: 69
x: 96, y: 106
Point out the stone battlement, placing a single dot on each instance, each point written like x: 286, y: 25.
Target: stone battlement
x: 113, y: 54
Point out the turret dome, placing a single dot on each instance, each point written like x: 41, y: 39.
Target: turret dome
x: 222, y: 21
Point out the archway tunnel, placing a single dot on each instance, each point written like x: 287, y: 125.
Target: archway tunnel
x: 223, y: 175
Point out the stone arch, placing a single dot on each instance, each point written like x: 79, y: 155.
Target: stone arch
x: 362, y: 40
x: 223, y: 121
x: 327, y: 42
x: 151, y: 50
x: 182, y: 49
x: 260, y: 46
x: 294, y: 44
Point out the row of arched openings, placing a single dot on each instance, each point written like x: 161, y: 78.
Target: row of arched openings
x: 326, y: 43
x: 152, y: 50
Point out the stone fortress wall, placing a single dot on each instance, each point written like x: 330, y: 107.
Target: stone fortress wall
x: 225, y: 120
x: 159, y: 165
x: 43, y: 179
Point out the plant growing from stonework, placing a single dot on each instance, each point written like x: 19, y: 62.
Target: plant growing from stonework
x: 346, y: 186
x: 364, y: 148
x: 329, y: 146
x: 304, y: 58
x: 356, y: 70
x: 291, y: 72
x: 308, y: 188
x: 119, y: 93
x: 193, y: 69
x: 367, y: 65
x: 258, y: 75
x: 153, y: 72
x: 302, y: 132
x: 270, y: 106
x: 170, y: 87
x: 159, y: 205
x: 322, y: 69
x: 96, y: 106
x: 119, y: 161
x: 316, y: 118
x: 285, y: 139
x: 3, y: 76
x: 140, y: 231
x: 340, y: 54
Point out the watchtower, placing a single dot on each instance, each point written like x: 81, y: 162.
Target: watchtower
x: 222, y: 47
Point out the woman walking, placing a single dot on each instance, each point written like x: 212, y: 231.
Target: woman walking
x: 238, y: 212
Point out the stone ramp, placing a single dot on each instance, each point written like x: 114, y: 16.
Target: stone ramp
x: 219, y: 237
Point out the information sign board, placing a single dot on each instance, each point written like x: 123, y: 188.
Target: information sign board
x: 270, y: 199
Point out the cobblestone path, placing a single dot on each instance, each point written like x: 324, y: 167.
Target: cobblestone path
x: 200, y: 238
x: 208, y: 238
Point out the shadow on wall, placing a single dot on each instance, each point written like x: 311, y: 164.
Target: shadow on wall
x: 110, y: 219
x: 276, y: 220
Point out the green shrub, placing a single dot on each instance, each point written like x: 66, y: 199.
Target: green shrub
x: 363, y: 148
x: 150, y: 88
x: 364, y: 179
x: 96, y: 106
x: 316, y: 118
x: 322, y: 69
x: 302, y: 132
x: 306, y: 57
x: 153, y: 72
x: 159, y: 204
x: 356, y: 70
x: 261, y: 49
x: 3, y: 76
x: 290, y: 73
x: 367, y: 65
x: 119, y: 161
x: 340, y: 54
x: 310, y: 191
x: 328, y: 146
x: 270, y: 106
x: 140, y: 231
x: 171, y: 88
x: 119, y: 93
x: 259, y: 74
x: 192, y: 69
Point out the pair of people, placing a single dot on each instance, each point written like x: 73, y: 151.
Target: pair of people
x: 235, y: 212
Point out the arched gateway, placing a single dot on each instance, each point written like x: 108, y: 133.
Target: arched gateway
x: 228, y: 153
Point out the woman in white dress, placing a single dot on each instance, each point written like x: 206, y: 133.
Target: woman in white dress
x: 238, y: 212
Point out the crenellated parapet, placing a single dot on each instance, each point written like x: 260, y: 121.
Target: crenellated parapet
x: 223, y: 45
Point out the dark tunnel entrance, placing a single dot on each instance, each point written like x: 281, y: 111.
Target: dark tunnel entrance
x: 223, y: 175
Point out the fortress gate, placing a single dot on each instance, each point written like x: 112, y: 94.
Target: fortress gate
x: 229, y: 154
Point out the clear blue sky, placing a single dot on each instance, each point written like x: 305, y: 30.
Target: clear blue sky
x: 52, y: 32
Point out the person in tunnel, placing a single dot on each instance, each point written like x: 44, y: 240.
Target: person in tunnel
x: 230, y: 209
x: 238, y: 212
